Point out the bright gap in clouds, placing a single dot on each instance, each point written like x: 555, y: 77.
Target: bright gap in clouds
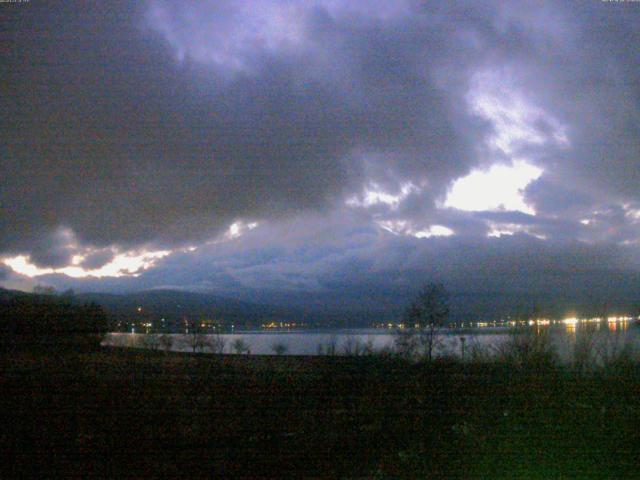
x: 374, y: 195
x: 130, y: 263
x: 402, y: 227
x: 499, y: 188
x: 434, y: 231
x: 123, y: 264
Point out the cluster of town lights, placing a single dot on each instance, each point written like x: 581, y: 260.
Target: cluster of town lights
x: 538, y: 322
x: 272, y: 325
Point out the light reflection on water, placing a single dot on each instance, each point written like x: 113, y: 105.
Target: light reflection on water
x: 613, y: 335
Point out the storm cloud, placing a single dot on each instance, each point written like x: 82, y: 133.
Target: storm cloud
x: 172, y: 126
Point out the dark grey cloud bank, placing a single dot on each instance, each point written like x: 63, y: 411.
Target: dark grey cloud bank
x: 158, y: 124
x: 338, y: 264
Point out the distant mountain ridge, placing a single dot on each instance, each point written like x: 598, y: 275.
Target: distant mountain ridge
x: 342, y: 306
x: 176, y: 305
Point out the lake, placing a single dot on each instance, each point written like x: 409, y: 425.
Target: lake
x: 606, y: 338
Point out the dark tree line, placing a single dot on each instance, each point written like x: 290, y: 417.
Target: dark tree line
x: 48, y: 318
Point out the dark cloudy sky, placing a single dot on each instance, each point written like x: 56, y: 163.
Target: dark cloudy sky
x: 320, y: 146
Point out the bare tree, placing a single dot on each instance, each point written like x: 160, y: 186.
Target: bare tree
x: 427, y: 315
x: 367, y: 348
x: 329, y: 348
x: 196, y: 339
x: 240, y: 346
x: 406, y: 342
x: 166, y: 341
x: 351, y: 346
x: 279, y: 348
x: 218, y: 343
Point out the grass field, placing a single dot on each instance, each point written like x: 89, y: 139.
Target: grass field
x: 120, y: 413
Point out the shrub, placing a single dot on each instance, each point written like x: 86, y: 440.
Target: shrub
x: 367, y: 348
x: 478, y: 353
x: 614, y: 351
x: 528, y: 348
x: 218, y: 343
x: 151, y: 341
x: 583, y: 354
x: 351, y: 346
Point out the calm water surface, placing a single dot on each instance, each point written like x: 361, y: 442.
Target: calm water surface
x: 612, y: 337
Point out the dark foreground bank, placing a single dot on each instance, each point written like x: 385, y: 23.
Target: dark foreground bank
x: 120, y: 413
